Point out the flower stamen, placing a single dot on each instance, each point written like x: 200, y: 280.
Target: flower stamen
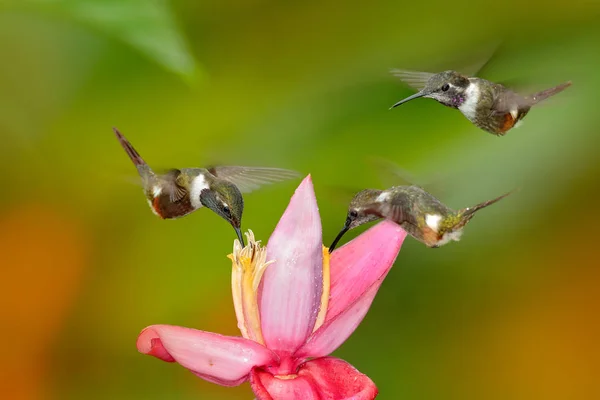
x: 248, y: 266
x: 286, y: 377
x: 325, y: 294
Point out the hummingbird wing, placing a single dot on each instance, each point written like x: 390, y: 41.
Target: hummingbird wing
x: 415, y: 79
x: 391, y: 174
x: 341, y: 194
x: 172, y: 185
x: 248, y: 179
x: 507, y: 101
x: 398, y: 210
x: 479, y: 62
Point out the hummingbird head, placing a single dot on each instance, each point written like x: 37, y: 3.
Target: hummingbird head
x: 359, y: 212
x: 225, y: 199
x: 446, y: 87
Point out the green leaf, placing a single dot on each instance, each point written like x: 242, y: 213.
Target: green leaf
x: 147, y: 25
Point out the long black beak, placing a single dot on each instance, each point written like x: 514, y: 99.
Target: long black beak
x: 345, y: 229
x: 238, y: 231
x: 409, y: 98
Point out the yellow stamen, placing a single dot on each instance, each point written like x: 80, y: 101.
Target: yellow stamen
x: 286, y: 377
x: 326, y: 287
x: 248, y: 266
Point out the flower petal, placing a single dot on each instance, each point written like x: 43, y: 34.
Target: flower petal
x: 335, y: 331
x: 381, y: 245
x: 323, y: 378
x: 292, y: 285
x: 267, y: 387
x: 225, y: 360
x: 336, y: 379
x: 357, y: 265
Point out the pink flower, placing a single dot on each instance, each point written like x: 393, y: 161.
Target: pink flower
x: 293, y: 311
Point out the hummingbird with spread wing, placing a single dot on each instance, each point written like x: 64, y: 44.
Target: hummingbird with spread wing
x: 418, y: 212
x: 179, y: 192
x: 489, y: 106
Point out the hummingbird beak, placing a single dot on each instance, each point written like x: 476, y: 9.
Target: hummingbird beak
x: 409, y: 98
x: 345, y: 229
x: 238, y: 231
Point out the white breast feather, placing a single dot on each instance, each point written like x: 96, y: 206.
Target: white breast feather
x: 469, y: 107
x: 198, y: 185
x: 383, y: 197
x: 433, y: 221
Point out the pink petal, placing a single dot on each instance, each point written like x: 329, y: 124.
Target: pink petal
x: 292, y: 285
x: 363, y: 261
x: 323, y: 378
x: 352, y: 283
x: 266, y: 387
x: 335, y: 331
x: 221, y: 359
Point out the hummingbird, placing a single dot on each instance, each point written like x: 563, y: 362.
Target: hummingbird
x: 489, y: 106
x: 179, y: 192
x: 418, y: 212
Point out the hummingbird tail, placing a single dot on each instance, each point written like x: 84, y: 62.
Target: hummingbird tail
x: 138, y: 161
x: 544, y: 94
x: 467, y: 213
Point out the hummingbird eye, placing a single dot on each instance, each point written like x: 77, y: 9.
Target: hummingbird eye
x: 445, y: 87
x: 226, y: 210
x: 353, y: 214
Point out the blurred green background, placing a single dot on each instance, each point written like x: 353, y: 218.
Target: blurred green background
x: 510, y: 312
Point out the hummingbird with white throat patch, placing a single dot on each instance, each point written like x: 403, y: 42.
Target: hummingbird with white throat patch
x: 489, y: 106
x: 418, y: 212
x: 182, y: 191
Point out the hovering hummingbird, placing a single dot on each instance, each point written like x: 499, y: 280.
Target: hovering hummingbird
x: 418, y: 212
x: 182, y: 191
x: 490, y: 106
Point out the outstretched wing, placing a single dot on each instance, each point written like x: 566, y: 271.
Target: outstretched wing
x: 507, y: 101
x: 480, y: 61
x: 391, y: 174
x: 340, y: 194
x: 248, y: 179
x: 416, y: 80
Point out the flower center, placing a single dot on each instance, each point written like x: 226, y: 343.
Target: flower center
x: 248, y: 266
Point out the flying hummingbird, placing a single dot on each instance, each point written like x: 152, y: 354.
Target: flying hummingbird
x: 182, y: 191
x: 418, y: 212
x: 490, y: 106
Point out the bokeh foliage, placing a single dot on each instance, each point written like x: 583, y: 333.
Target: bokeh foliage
x: 511, y: 311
